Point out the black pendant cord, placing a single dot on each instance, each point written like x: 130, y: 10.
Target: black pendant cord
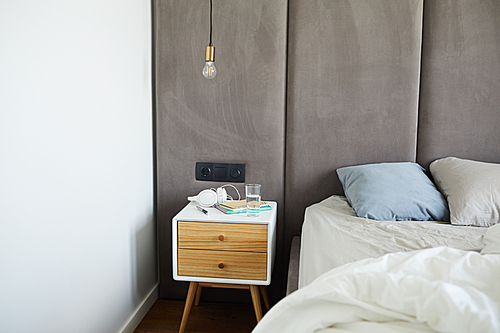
x: 210, y: 24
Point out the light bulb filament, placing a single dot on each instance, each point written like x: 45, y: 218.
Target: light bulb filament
x: 209, y: 71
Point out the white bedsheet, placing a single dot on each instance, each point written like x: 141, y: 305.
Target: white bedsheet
x: 332, y: 235
x: 433, y: 290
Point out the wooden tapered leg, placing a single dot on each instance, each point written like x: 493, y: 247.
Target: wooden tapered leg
x: 265, y: 296
x: 198, y: 295
x: 193, y: 287
x: 254, y: 291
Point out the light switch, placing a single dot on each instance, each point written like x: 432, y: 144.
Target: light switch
x: 220, y: 172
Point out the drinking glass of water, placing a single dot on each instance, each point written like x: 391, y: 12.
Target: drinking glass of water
x: 252, y: 192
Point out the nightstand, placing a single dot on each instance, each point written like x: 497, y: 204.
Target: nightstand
x: 223, y: 251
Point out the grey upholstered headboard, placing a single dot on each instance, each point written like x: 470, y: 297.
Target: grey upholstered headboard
x: 387, y: 80
x: 307, y: 86
x: 353, y: 84
x: 459, y: 112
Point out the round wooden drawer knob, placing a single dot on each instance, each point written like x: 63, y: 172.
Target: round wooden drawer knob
x: 221, y: 237
x: 221, y: 265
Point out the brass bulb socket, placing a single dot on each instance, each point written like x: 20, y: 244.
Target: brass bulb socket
x: 210, y: 53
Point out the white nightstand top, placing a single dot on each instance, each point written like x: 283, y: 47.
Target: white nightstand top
x: 190, y: 213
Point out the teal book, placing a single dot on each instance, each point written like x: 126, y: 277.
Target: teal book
x: 239, y: 209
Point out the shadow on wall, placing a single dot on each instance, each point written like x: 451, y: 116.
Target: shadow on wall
x: 144, y: 270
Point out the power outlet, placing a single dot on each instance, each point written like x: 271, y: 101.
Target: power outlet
x: 220, y: 172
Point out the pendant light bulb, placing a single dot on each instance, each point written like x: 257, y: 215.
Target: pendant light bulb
x: 209, y: 71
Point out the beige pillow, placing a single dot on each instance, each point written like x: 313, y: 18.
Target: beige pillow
x: 471, y: 188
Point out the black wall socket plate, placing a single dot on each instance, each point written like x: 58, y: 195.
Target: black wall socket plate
x: 220, y: 172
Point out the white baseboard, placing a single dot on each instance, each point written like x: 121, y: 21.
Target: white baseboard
x: 136, y: 318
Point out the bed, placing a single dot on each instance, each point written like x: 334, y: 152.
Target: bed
x: 374, y: 260
x: 430, y: 92
x: 393, y: 207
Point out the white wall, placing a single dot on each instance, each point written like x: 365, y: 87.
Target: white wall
x: 77, y: 235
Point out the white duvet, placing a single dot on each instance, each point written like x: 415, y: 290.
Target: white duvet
x: 440, y: 289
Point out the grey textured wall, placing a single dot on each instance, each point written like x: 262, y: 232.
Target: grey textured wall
x: 460, y: 96
x: 350, y: 86
x: 239, y: 116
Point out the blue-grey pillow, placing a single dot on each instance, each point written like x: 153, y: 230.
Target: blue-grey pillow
x: 393, y: 192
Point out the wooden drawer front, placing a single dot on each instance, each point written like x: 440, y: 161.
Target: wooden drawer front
x: 235, y: 265
x: 222, y: 236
